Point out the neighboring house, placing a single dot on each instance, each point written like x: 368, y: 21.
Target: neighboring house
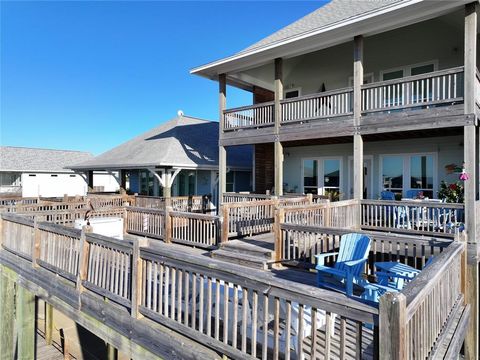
x: 31, y: 172
x: 409, y: 57
x: 177, y: 158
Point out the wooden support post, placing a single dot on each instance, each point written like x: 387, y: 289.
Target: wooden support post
x: 48, y: 323
x: 470, y: 68
x: 279, y: 219
x: 167, y: 192
x: 36, y: 244
x: 83, y: 258
x: 392, y: 314
x: 168, y: 225
x: 112, y: 352
x: 358, y: 175
x: 90, y: 180
x: 123, y: 181
x: 136, y: 280
x: 222, y: 152
x: 25, y: 312
x: 278, y: 148
x: 7, y: 315
x: 225, y: 223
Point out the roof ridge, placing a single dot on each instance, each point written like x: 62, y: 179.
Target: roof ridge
x: 45, y: 149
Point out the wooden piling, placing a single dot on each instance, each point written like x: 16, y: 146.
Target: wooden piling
x: 7, y: 315
x: 25, y: 312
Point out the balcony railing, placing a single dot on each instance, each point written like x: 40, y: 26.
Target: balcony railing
x: 317, y: 106
x: 438, y: 88
x: 260, y: 115
x: 435, y: 88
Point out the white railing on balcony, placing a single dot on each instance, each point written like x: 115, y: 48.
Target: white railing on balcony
x: 435, y: 88
x: 316, y: 106
x: 253, y: 116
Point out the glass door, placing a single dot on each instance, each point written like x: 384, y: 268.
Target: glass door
x: 322, y: 177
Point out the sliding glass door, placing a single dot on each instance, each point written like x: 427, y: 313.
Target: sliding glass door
x: 322, y: 176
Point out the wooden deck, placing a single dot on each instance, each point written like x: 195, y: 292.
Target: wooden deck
x: 47, y: 352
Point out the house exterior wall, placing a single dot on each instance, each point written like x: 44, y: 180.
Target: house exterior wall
x: 52, y: 184
x: 439, y: 39
x: 446, y: 151
x: 106, y: 180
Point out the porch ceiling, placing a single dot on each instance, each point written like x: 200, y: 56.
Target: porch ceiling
x: 380, y: 137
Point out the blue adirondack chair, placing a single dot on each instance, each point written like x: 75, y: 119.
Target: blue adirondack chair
x: 353, y: 253
x: 387, y: 195
x: 413, y: 193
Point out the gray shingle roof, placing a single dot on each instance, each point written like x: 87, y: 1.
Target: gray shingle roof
x: 183, y: 141
x: 327, y: 15
x: 23, y: 159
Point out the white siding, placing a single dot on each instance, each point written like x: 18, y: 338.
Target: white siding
x: 44, y: 184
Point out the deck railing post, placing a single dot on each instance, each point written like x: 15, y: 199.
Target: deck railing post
x: 136, y: 280
x: 310, y: 198
x: 168, y: 225
x: 83, y: 258
x: 225, y: 222
x: 277, y: 230
x: 36, y: 243
x: 392, y: 318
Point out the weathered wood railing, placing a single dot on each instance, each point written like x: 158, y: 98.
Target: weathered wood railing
x: 417, y: 321
x: 240, y: 197
x: 17, y: 200
x: 323, y: 105
x: 45, y: 206
x: 105, y: 201
x: 192, y: 229
x: 185, y: 203
x: 341, y: 214
x: 247, y: 218
x: 301, y: 243
x: 155, y: 202
x: 254, y: 116
x: 419, y: 217
x: 146, y: 222
x: 443, y: 87
x: 68, y: 217
x: 238, y: 312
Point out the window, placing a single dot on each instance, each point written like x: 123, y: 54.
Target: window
x: 331, y: 177
x: 322, y: 176
x: 146, y: 183
x: 310, y: 177
x: 72, y: 175
x: 292, y: 93
x: 10, y: 179
x: 421, y: 174
x: 32, y: 175
x: 392, y: 176
x: 403, y: 173
x: 53, y: 175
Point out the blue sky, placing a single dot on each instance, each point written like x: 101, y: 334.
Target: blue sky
x: 91, y: 75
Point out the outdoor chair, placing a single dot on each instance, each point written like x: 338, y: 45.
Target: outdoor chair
x: 351, y: 257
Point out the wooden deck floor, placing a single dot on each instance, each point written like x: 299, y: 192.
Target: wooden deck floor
x: 47, y: 352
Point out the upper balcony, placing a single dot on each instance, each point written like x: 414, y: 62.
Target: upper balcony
x: 413, y: 79
x: 407, y: 103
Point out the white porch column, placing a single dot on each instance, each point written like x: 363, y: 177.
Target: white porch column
x: 222, y: 152
x: 278, y: 147
x: 358, y: 175
x: 471, y: 340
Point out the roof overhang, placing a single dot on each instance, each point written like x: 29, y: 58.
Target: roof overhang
x: 387, y: 18
x: 152, y: 166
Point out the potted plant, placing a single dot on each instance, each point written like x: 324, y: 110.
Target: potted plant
x: 451, y: 193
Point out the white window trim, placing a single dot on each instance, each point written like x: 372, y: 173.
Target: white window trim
x: 320, y: 173
x: 407, y: 69
x: 406, y: 170
x: 350, y: 173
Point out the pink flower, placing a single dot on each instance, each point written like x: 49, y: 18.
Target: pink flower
x: 464, y: 176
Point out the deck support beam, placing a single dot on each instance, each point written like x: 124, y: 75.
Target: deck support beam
x: 48, y: 323
x: 222, y: 151
x: 472, y: 339
x: 112, y: 352
x: 358, y: 175
x: 278, y: 148
x: 7, y: 315
x: 25, y: 312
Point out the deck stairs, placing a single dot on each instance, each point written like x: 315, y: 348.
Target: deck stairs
x: 253, y: 251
